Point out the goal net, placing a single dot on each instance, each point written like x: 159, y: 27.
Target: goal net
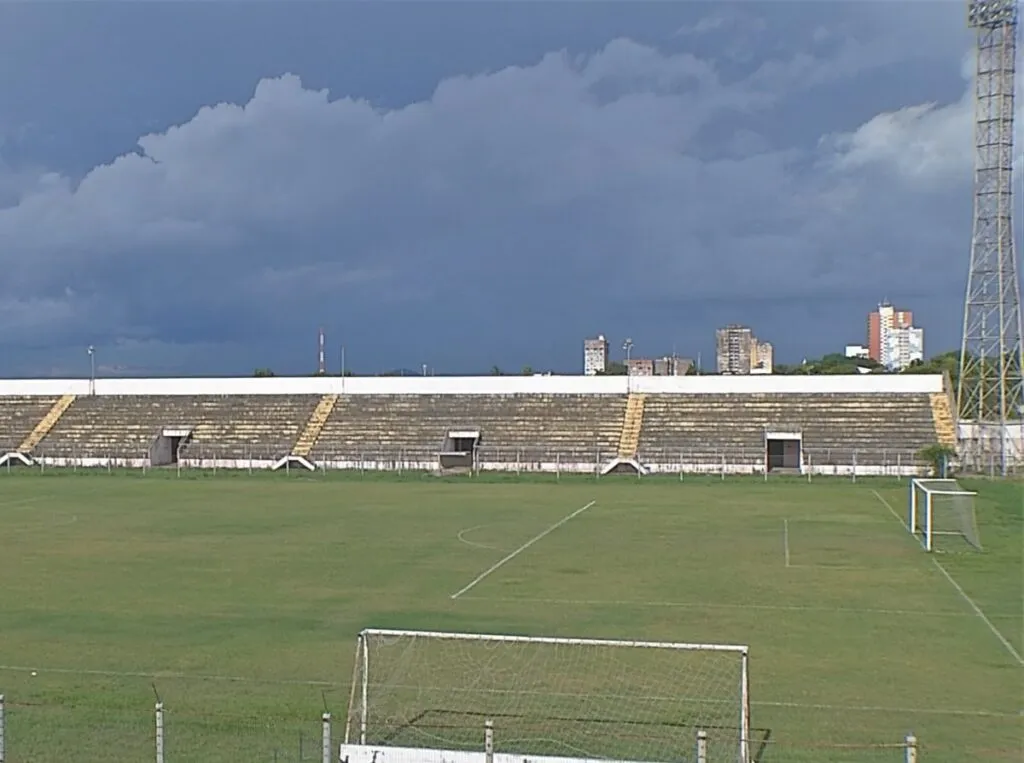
x: 554, y: 700
x: 942, y: 515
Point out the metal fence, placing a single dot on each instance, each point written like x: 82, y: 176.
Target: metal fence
x: 851, y: 463
x: 47, y: 729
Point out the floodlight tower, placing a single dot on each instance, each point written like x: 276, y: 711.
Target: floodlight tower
x: 990, y: 390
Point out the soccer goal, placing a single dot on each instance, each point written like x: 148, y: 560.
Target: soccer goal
x: 419, y: 697
x: 942, y: 515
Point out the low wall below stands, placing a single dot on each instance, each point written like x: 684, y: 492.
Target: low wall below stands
x: 551, y: 464
x: 485, y: 385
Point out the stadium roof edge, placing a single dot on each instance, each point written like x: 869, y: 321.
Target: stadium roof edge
x: 484, y: 385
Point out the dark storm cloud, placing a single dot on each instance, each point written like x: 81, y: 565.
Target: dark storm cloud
x: 504, y: 214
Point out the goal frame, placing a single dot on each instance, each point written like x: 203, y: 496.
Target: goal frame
x: 361, y: 669
x: 924, y: 514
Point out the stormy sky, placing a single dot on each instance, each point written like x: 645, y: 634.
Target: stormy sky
x: 195, y: 188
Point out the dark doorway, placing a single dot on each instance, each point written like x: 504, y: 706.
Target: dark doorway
x: 167, y: 445
x: 782, y: 454
x: 458, y: 452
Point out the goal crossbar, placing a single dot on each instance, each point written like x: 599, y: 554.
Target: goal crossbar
x: 560, y: 700
x: 554, y: 641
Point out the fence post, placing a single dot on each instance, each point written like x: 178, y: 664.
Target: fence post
x: 327, y: 738
x: 159, y: 732
x: 911, y: 748
x: 488, y: 741
x: 3, y: 723
x: 702, y: 746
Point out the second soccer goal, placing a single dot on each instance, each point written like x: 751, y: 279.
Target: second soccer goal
x: 942, y: 515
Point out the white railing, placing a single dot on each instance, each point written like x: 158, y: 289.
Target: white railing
x: 850, y: 463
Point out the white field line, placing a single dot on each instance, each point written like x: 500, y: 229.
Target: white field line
x: 461, y: 535
x: 44, y: 525
x: 963, y: 594
x: 839, y: 567
x: 502, y: 562
x: 785, y: 539
x: 715, y: 605
x: 169, y: 675
x: 891, y: 510
x: 977, y: 610
x: 889, y: 710
x: 23, y: 501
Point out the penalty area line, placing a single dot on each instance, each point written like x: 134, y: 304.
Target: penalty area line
x: 963, y: 594
x: 502, y: 562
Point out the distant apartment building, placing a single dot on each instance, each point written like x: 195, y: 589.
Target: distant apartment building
x: 857, y: 351
x: 640, y: 367
x: 893, y: 340
x: 670, y: 365
x: 762, y: 358
x: 738, y: 351
x: 902, y: 347
x: 595, y: 355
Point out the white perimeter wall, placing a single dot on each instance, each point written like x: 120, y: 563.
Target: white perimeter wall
x: 483, y: 385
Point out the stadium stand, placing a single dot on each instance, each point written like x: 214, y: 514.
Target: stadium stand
x: 700, y: 431
x: 19, y: 415
x: 511, y: 428
x: 224, y: 427
x: 45, y: 424
x: 874, y: 424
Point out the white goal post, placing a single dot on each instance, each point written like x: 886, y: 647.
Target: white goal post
x: 942, y: 515
x: 424, y: 696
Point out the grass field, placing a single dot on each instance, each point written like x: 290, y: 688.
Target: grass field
x: 240, y: 597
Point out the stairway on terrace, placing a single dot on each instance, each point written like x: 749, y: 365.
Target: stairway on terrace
x: 224, y: 427
x: 835, y: 428
x: 632, y: 423
x: 513, y: 427
x: 46, y: 423
x: 19, y: 415
x: 314, y: 426
x: 942, y: 417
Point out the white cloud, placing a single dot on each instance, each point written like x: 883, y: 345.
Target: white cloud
x: 924, y: 143
x: 582, y: 171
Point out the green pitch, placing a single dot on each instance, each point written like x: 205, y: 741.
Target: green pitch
x: 239, y: 598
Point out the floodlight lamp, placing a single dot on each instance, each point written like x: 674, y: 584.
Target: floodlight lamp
x: 991, y: 13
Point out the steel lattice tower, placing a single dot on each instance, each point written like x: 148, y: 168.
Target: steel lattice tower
x: 990, y: 390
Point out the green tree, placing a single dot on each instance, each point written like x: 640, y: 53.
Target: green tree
x: 615, y: 368
x: 263, y: 372
x: 527, y: 371
x: 830, y: 364
x: 938, y: 458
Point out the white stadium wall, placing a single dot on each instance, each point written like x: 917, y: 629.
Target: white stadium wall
x: 485, y: 385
